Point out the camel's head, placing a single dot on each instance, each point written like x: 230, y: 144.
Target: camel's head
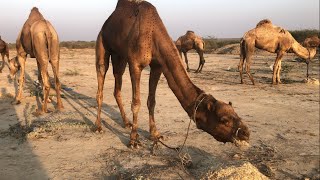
x: 14, y: 66
x: 220, y: 120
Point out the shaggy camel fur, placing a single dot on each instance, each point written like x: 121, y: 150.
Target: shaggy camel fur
x: 312, y: 41
x: 4, y: 51
x: 135, y: 34
x: 191, y: 41
x: 39, y: 39
x: 273, y: 39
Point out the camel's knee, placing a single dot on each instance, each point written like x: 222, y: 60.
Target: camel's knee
x: 135, y: 106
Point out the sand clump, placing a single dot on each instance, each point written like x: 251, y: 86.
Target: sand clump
x: 243, y: 171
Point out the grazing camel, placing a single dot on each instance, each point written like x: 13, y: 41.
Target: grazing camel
x: 135, y: 34
x: 4, y: 51
x: 273, y: 39
x: 191, y: 41
x: 39, y: 39
x: 312, y: 41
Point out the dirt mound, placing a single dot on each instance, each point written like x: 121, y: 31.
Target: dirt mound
x: 237, y: 172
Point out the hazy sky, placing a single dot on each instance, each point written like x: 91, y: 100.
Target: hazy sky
x: 82, y: 19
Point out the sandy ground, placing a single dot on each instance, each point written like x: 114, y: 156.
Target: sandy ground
x: 283, y: 119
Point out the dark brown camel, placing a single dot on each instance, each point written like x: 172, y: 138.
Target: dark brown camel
x: 191, y: 41
x: 4, y: 51
x: 39, y: 39
x: 274, y: 39
x: 135, y: 34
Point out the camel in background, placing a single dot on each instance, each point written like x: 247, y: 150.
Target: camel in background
x: 134, y: 34
x: 4, y: 51
x: 191, y: 41
x: 312, y: 41
x: 39, y: 39
x: 273, y: 39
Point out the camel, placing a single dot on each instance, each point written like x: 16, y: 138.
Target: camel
x: 191, y: 41
x: 4, y: 51
x: 274, y: 39
x: 39, y: 39
x: 134, y: 34
x: 312, y: 41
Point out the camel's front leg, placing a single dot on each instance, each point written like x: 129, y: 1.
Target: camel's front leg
x: 3, y: 62
x: 155, y: 74
x: 276, y: 67
x: 46, y: 84
x: 186, y: 60
x: 135, y: 74
x: 201, y: 62
x: 102, y: 66
x: 21, y: 60
x: 278, y: 72
x: 119, y: 66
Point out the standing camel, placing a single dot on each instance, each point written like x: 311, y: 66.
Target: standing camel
x: 191, y: 41
x: 273, y: 39
x: 135, y: 34
x: 39, y: 39
x: 4, y: 51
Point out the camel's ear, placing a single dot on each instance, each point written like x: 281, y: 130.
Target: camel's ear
x: 210, y: 106
x: 230, y: 103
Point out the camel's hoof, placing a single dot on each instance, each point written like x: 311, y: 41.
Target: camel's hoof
x: 16, y: 102
x: 134, y: 144
x: 59, y: 108
x: 38, y: 113
x: 96, y: 128
x: 156, y: 138
x: 128, y: 125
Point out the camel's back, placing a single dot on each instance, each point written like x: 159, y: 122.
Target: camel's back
x: 130, y: 21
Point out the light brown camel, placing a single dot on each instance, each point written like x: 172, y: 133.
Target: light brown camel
x: 273, y: 39
x: 4, y: 51
x: 135, y: 34
x: 39, y: 39
x: 312, y: 41
x: 191, y: 41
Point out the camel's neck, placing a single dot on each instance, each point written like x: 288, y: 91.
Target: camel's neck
x: 303, y: 52
x: 179, y: 82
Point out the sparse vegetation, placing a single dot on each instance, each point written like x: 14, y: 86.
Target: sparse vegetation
x: 213, y: 43
x: 78, y: 44
x: 72, y: 72
x: 301, y: 35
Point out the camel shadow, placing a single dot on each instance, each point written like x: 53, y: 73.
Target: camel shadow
x: 76, y: 99
x: 14, y: 144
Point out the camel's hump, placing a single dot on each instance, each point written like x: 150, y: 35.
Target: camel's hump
x: 264, y: 21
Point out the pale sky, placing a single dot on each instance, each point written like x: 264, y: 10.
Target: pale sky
x: 82, y: 19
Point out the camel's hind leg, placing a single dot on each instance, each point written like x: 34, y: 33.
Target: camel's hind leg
x: 42, y: 56
x: 240, y: 66
x: 54, y: 60
x: 119, y: 66
x: 102, y: 66
x: 155, y: 74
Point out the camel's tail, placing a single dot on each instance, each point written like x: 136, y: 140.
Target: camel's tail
x: 49, y: 40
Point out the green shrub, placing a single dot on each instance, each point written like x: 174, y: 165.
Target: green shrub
x: 301, y: 35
